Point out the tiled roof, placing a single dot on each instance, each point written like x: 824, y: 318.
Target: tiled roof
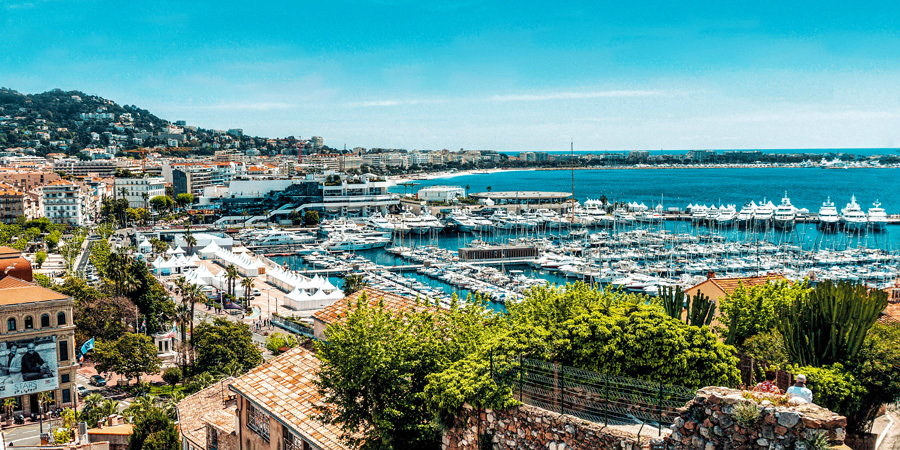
x: 15, y: 291
x: 115, y: 430
x: 195, y: 411
x: 285, y: 388
x: 392, y: 302
x: 730, y: 284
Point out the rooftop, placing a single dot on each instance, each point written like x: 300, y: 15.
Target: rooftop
x: 285, y: 388
x: 211, y: 406
x: 338, y: 310
x: 126, y: 429
x: 14, y: 291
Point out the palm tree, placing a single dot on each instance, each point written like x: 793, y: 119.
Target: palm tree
x: 192, y: 295
x: 139, y: 406
x: 231, y: 274
x: 185, y: 318
x: 247, y: 284
x: 171, y: 404
x: 118, y: 270
x: 191, y: 241
x: 146, y: 196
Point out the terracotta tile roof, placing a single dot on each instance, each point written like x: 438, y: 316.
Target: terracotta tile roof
x: 115, y: 430
x: 730, y: 284
x: 285, y: 388
x: 15, y: 291
x: 61, y: 183
x: 392, y: 302
x: 206, y: 406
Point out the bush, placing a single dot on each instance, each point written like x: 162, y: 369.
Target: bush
x: 877, y: 369
x: 768, y: 347
x: 746, y: 413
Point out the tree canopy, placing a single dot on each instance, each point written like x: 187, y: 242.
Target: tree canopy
x: 222, y: 342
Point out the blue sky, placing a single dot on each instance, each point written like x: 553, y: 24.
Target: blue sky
x: 476, y: 74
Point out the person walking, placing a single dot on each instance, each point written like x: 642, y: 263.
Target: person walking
x: 799, y: 389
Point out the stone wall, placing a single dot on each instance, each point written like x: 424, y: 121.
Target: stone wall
x: 708, y: 422
x: 528, y: 427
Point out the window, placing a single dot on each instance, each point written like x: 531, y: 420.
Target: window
x: 11, y: 324
x: 45, y: 320
x: 66, y: 396
x: 29, y: 322
x: 63, y: 350
x: 258, y: 422
x: 64, y: 378
x: 60, y: 319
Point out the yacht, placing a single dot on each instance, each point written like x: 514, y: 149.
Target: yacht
x: 385, y: 225
x: 462, y: 221
x: 745, y: 217
x: 764, y: 214
x: 355, y: 242
x: 853, y: 217
x: 877, y: 217
x: 699, y: 213
x: 727, y: 215
x: 828, y: 215
x: 433, y: 223
x: 416, y: 224
x: 785, y: 213
x: 274, y: 238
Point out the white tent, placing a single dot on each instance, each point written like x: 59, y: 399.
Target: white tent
x: 145, y: 246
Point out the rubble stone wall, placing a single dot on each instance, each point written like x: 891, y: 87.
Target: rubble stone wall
x: 708, y: 422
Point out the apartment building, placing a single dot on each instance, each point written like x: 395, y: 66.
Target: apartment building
x: 63, y: 202
x: 12, y: 203
x: 192, y: 180
x: 139, y: 191
x: 78, y: 168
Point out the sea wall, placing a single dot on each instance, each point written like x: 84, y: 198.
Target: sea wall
x: 708, y: 422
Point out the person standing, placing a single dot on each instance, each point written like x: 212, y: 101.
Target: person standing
x: 799, y: 389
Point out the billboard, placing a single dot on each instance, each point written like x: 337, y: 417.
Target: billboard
x: 28, y: 366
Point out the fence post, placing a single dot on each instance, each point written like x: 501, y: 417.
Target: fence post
x: 659, y: 410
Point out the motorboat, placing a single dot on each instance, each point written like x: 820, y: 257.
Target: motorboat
x: 745, y: 217
x: 764, y: 214
x: 853, y: 217
x: 877, y: 217
x: 785, y: 213
x: 828, y: 215
x: 726, y: 216
x: 275, y: 238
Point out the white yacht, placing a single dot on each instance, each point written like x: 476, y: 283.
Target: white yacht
x: 727, y: 215
x: 355, y: 242
x: 433, y: 223
x: 764, y: 214
x: 383, y: 224
x: 785, y: 213
x: 853, y: 217
x: 877, y: 217
x: 463, y: 221
x: 274, y: 238
x: 745, y: 217
x: 828, y: 215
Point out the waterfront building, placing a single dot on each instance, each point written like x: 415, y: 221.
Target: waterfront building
x: 37, y: 343
x: 354, y: 197
x: 139, y: 191
x: 441, y: 194
x: 63, y: 202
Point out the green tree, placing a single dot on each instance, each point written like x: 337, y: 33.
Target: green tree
x: 877, y: 370
x: 247, y: 284
x: 184, y: 199
x: 310, y: 218
x: 353, y: 283
x: 222, y: 341
x: 162, y: 203
x: 748, y: 311
x: 376, y: 364
x: 231, y: 274
x: 39, y: 258
x: 131, y: 355
x: 172, y: 376
x: 154, y: 430
x: 278, y: 341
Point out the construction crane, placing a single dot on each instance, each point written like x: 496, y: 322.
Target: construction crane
x: 143, y: 152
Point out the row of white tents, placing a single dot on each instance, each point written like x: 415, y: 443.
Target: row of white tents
x: 303, y: 293
x: 175, y: 264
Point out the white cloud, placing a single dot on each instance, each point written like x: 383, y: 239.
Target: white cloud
x: 574, y: 95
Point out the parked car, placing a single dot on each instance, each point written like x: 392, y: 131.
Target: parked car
x: 97, y: 380
x: 256, y: 292
x: 82, y: 391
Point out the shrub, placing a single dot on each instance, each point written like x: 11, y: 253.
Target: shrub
x: 746, y: 413
x: 833, y: 388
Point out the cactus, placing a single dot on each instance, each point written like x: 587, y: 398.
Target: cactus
x: 700, y: 310
x: 672, y: 301
x: 830, y: 324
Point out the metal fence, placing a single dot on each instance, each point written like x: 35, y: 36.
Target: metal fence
x: 588, y: 395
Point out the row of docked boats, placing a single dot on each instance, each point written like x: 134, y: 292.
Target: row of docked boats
x: 785, y: 215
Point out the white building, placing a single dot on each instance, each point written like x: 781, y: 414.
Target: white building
x: 446, y: 194
x: 63, y: 202
x: 139, y: 191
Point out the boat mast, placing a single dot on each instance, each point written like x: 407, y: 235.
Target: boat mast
x: 572, y: 162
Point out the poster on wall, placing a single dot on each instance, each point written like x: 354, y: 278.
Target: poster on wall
x: 28, y: 366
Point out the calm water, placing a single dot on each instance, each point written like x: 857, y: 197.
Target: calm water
x: 807, y: 188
